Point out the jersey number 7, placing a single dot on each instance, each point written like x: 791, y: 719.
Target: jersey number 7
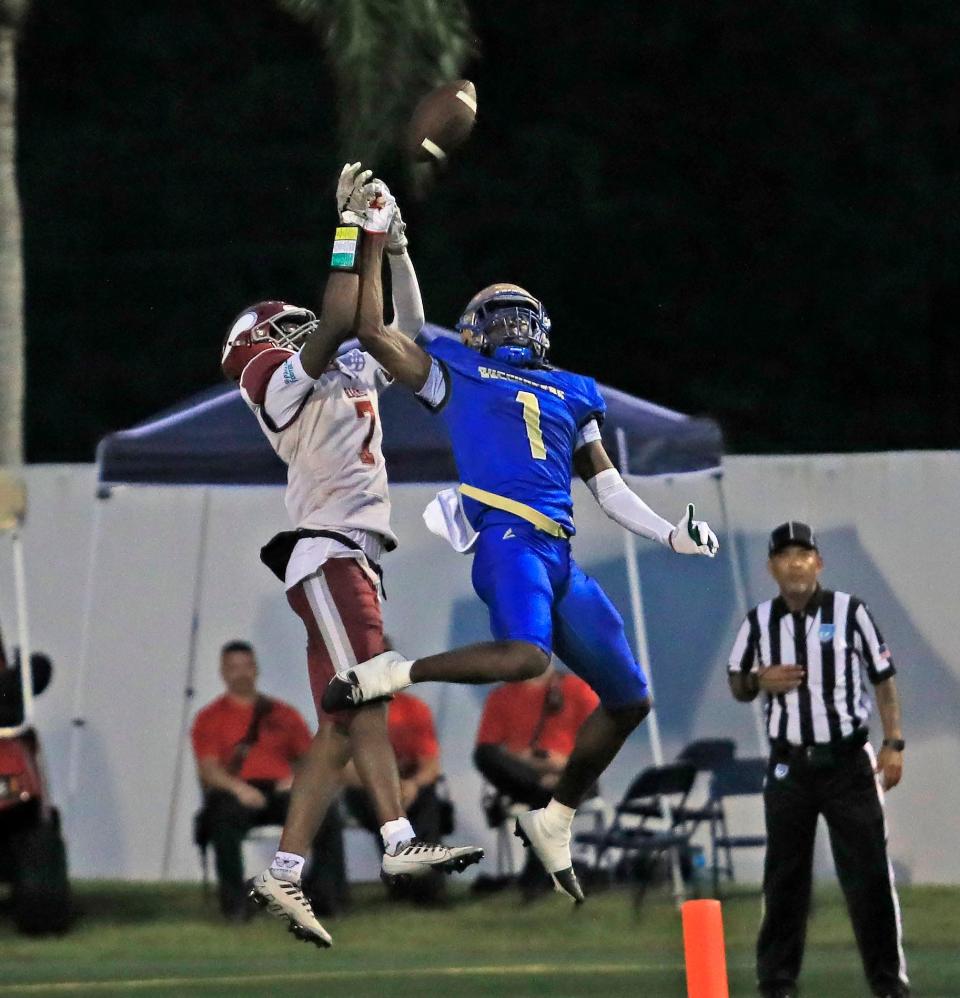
x: 365, y: 409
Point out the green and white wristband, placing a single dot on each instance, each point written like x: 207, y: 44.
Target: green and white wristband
x: 346, y: 248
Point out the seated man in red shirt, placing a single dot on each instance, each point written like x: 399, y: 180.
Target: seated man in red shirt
x: 246, y: 746
x: 526, y: 735
x: 414, y: 740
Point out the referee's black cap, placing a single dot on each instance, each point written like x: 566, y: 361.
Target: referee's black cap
x: 791, y: 532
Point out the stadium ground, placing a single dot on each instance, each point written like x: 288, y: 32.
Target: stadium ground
x: 164, y: 940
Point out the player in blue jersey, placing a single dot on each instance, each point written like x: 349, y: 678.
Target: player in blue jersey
x: 519, y: 427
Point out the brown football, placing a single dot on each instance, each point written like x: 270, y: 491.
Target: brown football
x: 441, y: 122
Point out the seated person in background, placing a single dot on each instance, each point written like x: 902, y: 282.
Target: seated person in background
x: 526, y: 734
x: 246, y: 746
x: 414, y: 740
x: 11, y: 690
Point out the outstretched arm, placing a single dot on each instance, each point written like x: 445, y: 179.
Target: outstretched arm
x: 404, y: 360
x: 593, y: 465
x: 338, y: 312
x: 408, y: 315
x: 337, y: 316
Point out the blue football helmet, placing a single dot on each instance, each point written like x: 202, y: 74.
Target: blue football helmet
x: 507, y: 323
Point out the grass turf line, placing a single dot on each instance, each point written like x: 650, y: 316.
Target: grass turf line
x: 163, y: 940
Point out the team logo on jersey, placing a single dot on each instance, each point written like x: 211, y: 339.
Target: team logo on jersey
x: 508, y: 534
x: 289, y: 374
x: 352, y: 362
x: 827, y: 631
x: 780, y: 770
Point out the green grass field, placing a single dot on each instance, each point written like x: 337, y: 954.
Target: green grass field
x: 165, y: 940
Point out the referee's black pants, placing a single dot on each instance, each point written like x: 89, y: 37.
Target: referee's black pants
x: 841, y: 787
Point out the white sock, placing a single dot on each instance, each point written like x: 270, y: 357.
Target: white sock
x: 395, y: 833
x: 287, y: 866
x: 558, y: 817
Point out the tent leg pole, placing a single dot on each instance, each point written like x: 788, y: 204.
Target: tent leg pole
x: 652, y: 722
x: 79, y: 683
x: 23, y: 628
x: 643, y: 650
x: 743, y: 603
x: 188, y: 685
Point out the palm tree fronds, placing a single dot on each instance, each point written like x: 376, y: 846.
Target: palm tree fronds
x: 384, y: 55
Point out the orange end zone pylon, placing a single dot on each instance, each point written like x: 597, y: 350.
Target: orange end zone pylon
x: 703, y: 950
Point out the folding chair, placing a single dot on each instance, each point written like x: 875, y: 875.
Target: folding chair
x: 707, y: 755
x: 201, y: 839
x: 500, y: 812
x: 738, y: 778
x: 652, y: 797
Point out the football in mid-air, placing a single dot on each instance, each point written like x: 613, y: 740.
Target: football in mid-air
x: 441, y: 122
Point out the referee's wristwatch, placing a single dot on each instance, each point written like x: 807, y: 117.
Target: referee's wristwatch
x: 897, y: 744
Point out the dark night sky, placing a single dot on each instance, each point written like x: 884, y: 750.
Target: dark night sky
x: 743, y: 209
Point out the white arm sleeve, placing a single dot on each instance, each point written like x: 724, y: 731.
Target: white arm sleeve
x: 627, y: 508
x: 408, y: 315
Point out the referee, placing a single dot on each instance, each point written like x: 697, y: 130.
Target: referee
x: 807, y: 651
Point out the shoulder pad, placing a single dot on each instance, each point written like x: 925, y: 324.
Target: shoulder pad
x: 256, y: 375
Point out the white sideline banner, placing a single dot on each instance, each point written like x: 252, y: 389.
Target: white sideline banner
x: 884, y: 522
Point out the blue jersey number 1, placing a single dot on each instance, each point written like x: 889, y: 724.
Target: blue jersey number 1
x: 531, y: 416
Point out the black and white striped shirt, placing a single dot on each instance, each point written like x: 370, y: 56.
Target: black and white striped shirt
x: 835, y: 638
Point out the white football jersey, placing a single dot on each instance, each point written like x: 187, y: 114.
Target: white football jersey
x: 327, y: 431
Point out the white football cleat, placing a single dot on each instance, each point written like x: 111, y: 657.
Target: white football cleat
x: 285, y: 900
x: 417, y: 858
x: 553, y: 850
x: 364, y: 683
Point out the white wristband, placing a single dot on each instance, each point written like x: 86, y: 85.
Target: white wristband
x: 434, y: 389
x: 627, y: 508
x: 589, y: 432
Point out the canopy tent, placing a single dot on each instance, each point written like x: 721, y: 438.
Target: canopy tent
x: 210, y: 439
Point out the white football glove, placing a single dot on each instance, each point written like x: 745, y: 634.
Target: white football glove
x: 376, y: 205
x: 692, y: 536
x: 352, y: 177
x: 397, y: 234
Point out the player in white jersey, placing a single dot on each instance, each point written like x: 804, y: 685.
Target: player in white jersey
x: 320, y: 413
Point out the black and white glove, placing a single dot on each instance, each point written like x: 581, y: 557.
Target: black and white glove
x: 692, y: 536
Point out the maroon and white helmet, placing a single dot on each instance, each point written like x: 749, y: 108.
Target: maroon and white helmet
x: 264, y: 326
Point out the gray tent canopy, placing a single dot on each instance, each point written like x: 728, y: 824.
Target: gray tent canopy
x: 210, y: 439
